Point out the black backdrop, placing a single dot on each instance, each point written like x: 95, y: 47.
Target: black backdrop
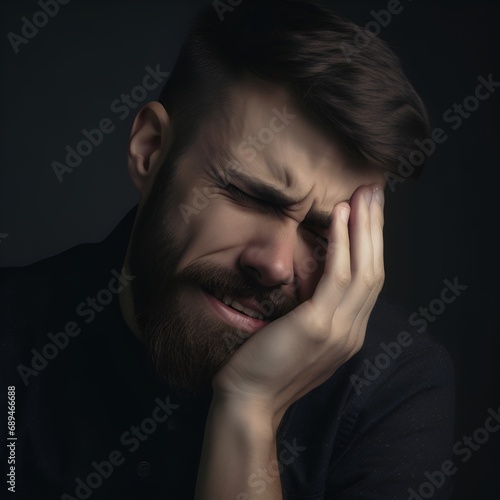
x: 67, y: 75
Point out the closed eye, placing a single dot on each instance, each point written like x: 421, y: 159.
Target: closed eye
x: 268, y: 208
x: 241, y: 194
x: 261, y: 204
x: 318, y: 238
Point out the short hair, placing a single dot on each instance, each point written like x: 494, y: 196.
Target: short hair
x: 362, y: 98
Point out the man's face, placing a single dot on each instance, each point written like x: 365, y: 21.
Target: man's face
x: 237, y: 236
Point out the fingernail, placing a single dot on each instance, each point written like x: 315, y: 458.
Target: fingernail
x: 379, y: 195
x: 368, y: 197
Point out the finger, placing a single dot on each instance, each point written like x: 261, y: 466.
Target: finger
x: 377, y: 228
x: 336, y: 275
x: 362, y: 256
x: 360, y: 316
x: 377, y: 235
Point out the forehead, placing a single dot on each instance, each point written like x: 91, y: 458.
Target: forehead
x: 260, y: 129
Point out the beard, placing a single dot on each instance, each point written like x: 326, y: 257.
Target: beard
x: 186, y: 343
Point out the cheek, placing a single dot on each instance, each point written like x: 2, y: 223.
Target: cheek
x: 219, y: 228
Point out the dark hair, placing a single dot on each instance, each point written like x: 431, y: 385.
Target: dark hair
x: 362, y: 96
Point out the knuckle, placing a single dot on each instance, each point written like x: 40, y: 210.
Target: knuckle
x: 380, y: 277
x: 370, y: 280
x: 342, y: 277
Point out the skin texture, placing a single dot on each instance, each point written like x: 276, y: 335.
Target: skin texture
x: 332, y: 275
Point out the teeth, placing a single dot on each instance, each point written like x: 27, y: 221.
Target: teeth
x: 253, y: 314
x: 227, y: 300
x: 239, y: 307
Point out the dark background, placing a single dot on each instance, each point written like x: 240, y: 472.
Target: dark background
x: 445, y: 226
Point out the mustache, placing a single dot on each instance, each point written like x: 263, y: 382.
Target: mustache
x: 215, y: 278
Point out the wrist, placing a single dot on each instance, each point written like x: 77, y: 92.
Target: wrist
x: 239, y: 442
x: 252, y: 417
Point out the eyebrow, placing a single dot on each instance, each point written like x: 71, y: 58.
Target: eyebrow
x: 275, y: 197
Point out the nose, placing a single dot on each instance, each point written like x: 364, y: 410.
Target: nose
x: 268, y: 257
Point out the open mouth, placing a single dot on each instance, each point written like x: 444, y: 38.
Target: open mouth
x: 233, y: 312
x: 234, y: 304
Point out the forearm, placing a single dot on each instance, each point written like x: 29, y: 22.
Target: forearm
x: 239, y: 459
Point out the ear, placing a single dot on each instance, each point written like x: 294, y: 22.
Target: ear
x: 150, y: 139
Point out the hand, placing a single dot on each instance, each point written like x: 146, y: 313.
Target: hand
x: 297, y: 352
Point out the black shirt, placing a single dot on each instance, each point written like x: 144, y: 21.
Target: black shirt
x: 93, y: 422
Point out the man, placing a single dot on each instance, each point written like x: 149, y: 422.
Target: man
x: 251, y: 282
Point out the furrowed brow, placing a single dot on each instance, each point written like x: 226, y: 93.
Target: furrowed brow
x: 264, y: 191
x: 274, y: 196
